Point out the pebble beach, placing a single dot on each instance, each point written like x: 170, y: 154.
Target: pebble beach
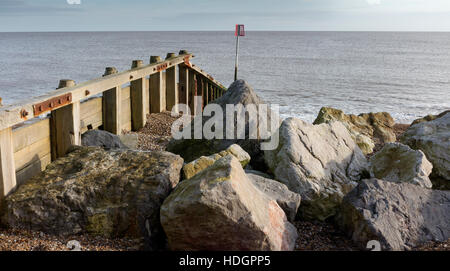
x: 313, y: 236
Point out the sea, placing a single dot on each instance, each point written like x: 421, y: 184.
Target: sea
x: 404, y: 73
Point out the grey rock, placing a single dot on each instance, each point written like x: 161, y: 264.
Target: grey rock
x: 322, y: 163
x: 221, y: 209
x: 399, y: 163
x: 433, y: 139
x: 287, y: 200
x: 238, y: 93
x: 104, y: 139
x: 102, y: 193
x: 194, y: 167
x: 399, y: 216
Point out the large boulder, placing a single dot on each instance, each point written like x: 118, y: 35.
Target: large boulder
x: 430, y: 118
x: 204, y: 162
x: 433, y: 138
x: 399, y: 163
x: 286, y: 199
x: 365, y: 129
x: 104, y: 139
x: 220, y: 209
x: 320, y: 162
x: 103, y: 193
x: 399, y: 216
x: 238, y: 93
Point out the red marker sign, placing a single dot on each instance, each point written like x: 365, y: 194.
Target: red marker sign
x: 240, y: 30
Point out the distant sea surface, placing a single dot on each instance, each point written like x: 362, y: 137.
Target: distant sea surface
x: 405, y: 74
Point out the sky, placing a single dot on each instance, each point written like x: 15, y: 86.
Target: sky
x: 221, y: 15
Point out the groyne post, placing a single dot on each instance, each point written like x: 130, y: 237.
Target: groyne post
x: 112, y: 103
x: 192, y: 91
x: 65, y: 125
x: 29, y: 143
x: 7, y: 165
x: 171, y: 85
x: 183, y: 77
x: 156, y: 87
x: 139, y: 99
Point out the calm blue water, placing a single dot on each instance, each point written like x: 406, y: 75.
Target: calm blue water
x: 406, y: 74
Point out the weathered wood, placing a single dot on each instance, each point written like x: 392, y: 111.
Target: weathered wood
x: 206, y: 93
x: 200, y: 90
x: 126, y: 109
x: 112, y: 106
x: 32, y: 153
x: 30, y: 133
x: 32, y: 169
x: 171, y: 85
x: 91, y: 114
x: 138, y: 99
x: 65, y: 128
x: 192, y: 92
x: 183, y: 85
x: 156, y: 88
x: 7, y: 166
x: 210, y: 78
x: 12, y: 115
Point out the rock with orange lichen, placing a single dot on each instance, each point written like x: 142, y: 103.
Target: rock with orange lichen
x: 221, y: 209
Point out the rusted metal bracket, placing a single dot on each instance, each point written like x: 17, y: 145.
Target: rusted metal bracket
x: 52, y: 104
x: 187, y: 61
x: 161, y: 67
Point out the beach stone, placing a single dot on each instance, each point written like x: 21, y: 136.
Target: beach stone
x: 239, y: 92
x: 429, y: 118
x: 221, y: 209
x: 320, y: 162
x: 399, y: 163
x: 399, y: 216
x: 365, y: 129
x: 104, y: 139
x: 103, y: 193
x: 204, y: 162
x: 287, y: 200
x: 433, y: 139
x: 130, y: 140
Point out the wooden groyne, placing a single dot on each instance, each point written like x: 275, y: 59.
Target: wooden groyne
x: 42, y: 129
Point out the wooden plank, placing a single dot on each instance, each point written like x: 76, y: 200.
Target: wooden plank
x: 32, y: 169
x: 126, y: 115
x: 12, y: 115
x: 112, y: 110
x: 93, y: 121
x: 138, y: 102
x: 138, y: 99
x: 192, y: 91
x: 183, y: 77
x: 206, y: 93
x: 171, y: 85
x: 65, y: 129
x: 7, y: 166
x: 90, y: 107
x: 28, y: 134
x: 32, y: 153
x: 147, y: 95
x: 156, y: 97
x: 200, y: 89
x: 126, y: 93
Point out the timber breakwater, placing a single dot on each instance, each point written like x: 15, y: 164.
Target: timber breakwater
x: 73, y: 173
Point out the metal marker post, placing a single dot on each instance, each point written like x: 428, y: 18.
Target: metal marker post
x: 240, y: 32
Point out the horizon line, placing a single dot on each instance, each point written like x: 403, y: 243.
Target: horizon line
x: 145, y: 31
